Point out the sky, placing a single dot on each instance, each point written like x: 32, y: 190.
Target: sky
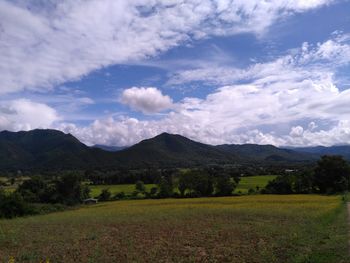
x: 226, y: 71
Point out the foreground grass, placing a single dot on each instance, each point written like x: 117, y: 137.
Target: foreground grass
x: 259, y: 228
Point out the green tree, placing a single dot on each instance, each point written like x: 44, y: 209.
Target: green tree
x: 70, y: 190
x: 31, y: 190
x: 165, y: 187
x: 332, y: 174
x: 105, y: 195
x: 13, y: 205
x: 140, y: 187
x: 224, y: 185
x: 280, y: 185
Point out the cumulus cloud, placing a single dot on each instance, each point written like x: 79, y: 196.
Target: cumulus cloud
x: 146, y: 99
x: 42, y: 45
x: 273, y: 108
x: 23, y: 114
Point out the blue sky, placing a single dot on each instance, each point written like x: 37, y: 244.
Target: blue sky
x: 116, y: 72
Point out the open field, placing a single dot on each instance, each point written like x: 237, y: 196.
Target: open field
x: 258, y: 228
x: 126, y: 188
x: 244, y: 185
x: 251, y: 182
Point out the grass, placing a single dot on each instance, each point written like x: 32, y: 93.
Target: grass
x: 244, y: 185
x: 251, y: 182
x: 126, y: 188
x: 257, y: 228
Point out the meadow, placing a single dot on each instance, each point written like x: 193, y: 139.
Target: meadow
x: 244, y: 185
x: 251, y: 228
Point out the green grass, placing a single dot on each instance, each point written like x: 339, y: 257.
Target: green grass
x: 256, y: 228
x: 244, y: 185
x: 126, y: 188
x: 249, y: 182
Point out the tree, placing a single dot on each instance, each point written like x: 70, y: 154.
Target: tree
x: 224, y: 185
x: 198, y: 182
x: 105, y: 195
x: 182, y: 184
x: 165, y: 186
x: 70, y: 191
x: 280, y: 185
x: 332, y: 174
x: 140, y: 187
x: 31, y: 190
x: 13, y: 205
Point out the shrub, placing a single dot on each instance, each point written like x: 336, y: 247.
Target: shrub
x: 13, y: 205
x: 105, y: 195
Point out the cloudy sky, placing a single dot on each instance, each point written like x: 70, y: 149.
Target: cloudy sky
x: 225, y: 71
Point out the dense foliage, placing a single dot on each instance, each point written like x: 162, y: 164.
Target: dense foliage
x: 66, y: 190
x: 331, y: 175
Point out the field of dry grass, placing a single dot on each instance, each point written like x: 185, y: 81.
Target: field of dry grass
x: 258, y: 228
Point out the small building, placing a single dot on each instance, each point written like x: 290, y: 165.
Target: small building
x: 90, y: 201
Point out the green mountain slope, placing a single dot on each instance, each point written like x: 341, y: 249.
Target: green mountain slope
x: 173, y: 150
x: 54, y: 150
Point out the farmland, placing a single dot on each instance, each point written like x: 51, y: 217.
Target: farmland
x: 244, y: 185
x: 251, y: 182
x: 256, y: 228
x: 117, y: 188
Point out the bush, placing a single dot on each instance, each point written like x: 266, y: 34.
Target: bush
x: 120, y: 196
x: 105, y: 195
x: 13, y: 205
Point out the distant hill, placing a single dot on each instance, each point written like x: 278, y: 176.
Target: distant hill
x: 109, y: 148
x: 46, y: 149
x: 55, y: 150
x: 173, y: 150
x: 343, y: 150
x: 265, y: 153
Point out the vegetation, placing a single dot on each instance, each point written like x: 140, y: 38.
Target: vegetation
x: 256, y: 183
x: 258, y: 228
x: 331, y: 175
x: 67, y: 190
x: 52, y: 151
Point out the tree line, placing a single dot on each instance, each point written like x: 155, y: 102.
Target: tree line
x: 41, y: 194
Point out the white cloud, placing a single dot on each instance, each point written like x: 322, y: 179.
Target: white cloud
x: 296, y: 131
x: 307, y: 62
x: 23, y: 114
x: 44, y: 45
x: 282, y: 97
x: 146, y: 99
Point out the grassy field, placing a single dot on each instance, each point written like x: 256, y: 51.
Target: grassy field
x: 251, y: 182
x: 257, y: 228
x: 244, y: 185
x: 126, y: 188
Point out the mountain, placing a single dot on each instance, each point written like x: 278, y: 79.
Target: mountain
x: 265, y: 153
x: 343, y: 150
x: 46, y: 149
x: 173, y: 150
x: 109, y: 148
x: 54, y: 150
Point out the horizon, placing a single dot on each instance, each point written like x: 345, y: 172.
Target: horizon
x: 115, y: 73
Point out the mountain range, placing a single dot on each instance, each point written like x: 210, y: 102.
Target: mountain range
x: 54, y: 150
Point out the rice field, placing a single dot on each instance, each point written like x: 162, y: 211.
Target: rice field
x: 251, y: 228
